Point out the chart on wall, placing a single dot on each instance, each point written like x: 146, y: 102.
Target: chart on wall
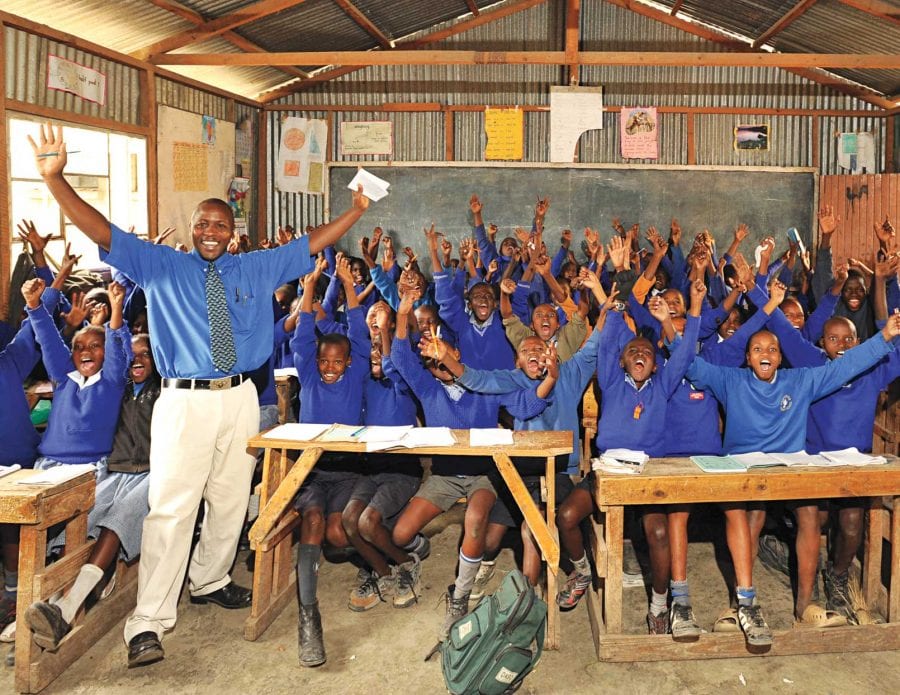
x: 195, y: 161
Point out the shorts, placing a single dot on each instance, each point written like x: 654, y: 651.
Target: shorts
x: 507, y: 513
x: 444, y: 490
x: 326, y: 490
x: 829, y: 503
x: 386, y: 493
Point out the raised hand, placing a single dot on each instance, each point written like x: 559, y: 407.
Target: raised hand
x: 431, y: 236
x: 777, y: 291
x: 892, y: 328
x: 116, y: 294
x: 475, y: 204
x: 508, y: 286
x: 841, y: 270
x: 618, y: 252
x: 343, y: 270
x: 768, y: 248
x: 32, y: 290
x: 658, y: 308
x: 284, y: 236
x: 358, y: 200
x: 857, y: 264
x: 492, y: 269
x: 446, y: 248
x: 29, y: 234
x: 50, y: 151
x: 698, y: 293
x: 388, y: 259
x: 492, y: 230
x: 407, y: 299
x: 675, y: 232
x: 435, y: 348
x: 566, y: 238
x: 99, y: 314
x: 541, y: 207
x: 888, y: 267
x: 550, y: 361
x: 885, y: 233
x: 166, y: 233
x: 741, y: 233
x: 617, y: 226
x: 827, y: 220
x: 523, y: 236
x: 78, y: 312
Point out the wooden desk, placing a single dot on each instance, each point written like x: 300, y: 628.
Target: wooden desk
x: 270, y: 536
x: 670, y: 481
x: 35, y: 508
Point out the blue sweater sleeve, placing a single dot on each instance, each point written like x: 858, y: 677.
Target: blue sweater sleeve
x: 519, y: 302
x: 815, y: 325
x: 329, y: 325
x: 797, y: 349
x: 44, y: 274
x: 358, y: 333
x: 608, y: 350
x: 487, y: 250
x: 281, y: 335
x: 57, y: 358
x: 303, y: 347
x: 385, y: 286
x: 117, y: 356
x: 523, y: 404
x: 836, y: 373
x: 411, y: 369
x: 493, y: 380
x: 557, y: 263
x: 710, y: 318
x: 673, y: 371
x: 705, y: 376
x: 823, y: 276
x: 21, y: 354
x: 332, y: 292
x: 643, y: 319
x: 679, y: 276
x: 893, y: 294
x: 731, y: 352
x: 450, y: 303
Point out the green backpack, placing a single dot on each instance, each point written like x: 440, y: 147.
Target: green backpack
x: 493, y: 648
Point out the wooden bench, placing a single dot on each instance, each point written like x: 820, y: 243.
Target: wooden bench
x: 271, y: 536
x: 671, y: 481
x: 36, y: 508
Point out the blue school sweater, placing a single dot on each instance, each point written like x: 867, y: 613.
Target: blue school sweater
x: 484, y: 346
x: 487, y: 251
x: 771, y: 416
x: 846, y: 417
x: 20, y: 439
x: 389, y: 401
x: 618, y: 427
x: 83, y: 419
x: 470, y: 410
x: 342, y: 401
x: 562, y: 404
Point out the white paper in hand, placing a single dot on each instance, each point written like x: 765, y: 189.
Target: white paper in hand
x: 374, y: 188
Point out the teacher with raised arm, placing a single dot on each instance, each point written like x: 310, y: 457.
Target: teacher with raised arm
x: 211, y: 321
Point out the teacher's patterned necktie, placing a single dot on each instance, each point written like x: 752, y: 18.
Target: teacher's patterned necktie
x: 221, y: 339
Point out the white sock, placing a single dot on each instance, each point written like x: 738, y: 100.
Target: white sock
x: 468, y: 568
x: 582, y: 566
x: 657, y: 602
x: 87, y: 579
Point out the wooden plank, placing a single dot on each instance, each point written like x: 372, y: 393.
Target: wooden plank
x: 894, y: 591
x: 5, y: 201
x: 615, y: 529
x: 599, y: 549
x: 537, y: 525
x: 367, y: 25
x: 816, y: 141
x: 263, y: 562
x: 571, y: 39
x: 861, y: 638
x: 62, y: 507
x: 79, y: 118
x: 288, y: 522
x: 881, y: 61
x: 889, y: 145
x: 691, y: 146
x: 32, y: 554
x: 784, y: 22
x: 449, y: 135
x: 876, y: 8
x: 871, y: 577
x: 287, y: 488
x: 257, y: 624
x: 553, y: 628
x: 217, y: 26
x: 675, y: 7
x: 148, y: 118
x: 473, y: 8
x: 261, y: 170
x: 61, y: 573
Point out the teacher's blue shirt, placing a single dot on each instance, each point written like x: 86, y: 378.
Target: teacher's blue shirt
x: 175, y: 285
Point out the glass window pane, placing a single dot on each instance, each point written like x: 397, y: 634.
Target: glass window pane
x: 32, y: 201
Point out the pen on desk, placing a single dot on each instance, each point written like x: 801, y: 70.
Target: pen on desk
x: 56, y: 154
x: 356, y: 432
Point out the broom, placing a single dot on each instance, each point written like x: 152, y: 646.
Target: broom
x: 861, y: 613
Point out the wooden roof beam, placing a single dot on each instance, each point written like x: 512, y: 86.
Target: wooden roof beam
x: 232, y: 37
x: 864, y: 94
x: 487, y: 17
x: 876, y: 8
x: 573, y: 37
x: 676, y: 7
x: 437, y: 57
x: 216, y: 27
x: 784, y: 22
x: 473, y: 8
x: 357, y: 16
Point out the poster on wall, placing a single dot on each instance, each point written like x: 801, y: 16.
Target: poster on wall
x: 751, y: 137
x: 301, y: 156
x: 367, y: 137
x: 505, y: 133
x: 573, y: 110
x: 856, y: 152
x: 80, y: 80
x: 208, y: 131
x: 639, y: 129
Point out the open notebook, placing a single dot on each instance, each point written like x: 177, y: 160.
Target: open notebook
x: 758, y: 459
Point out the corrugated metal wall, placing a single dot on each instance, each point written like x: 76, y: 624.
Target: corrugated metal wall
x: 181, y: 96
x: 26, y: 79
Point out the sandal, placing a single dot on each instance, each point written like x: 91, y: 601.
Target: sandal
x: 816, y: 616
x: 727, y: 621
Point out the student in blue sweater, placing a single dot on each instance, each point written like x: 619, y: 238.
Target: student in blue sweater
x: 447, y: 404
x: 332, y: 372
x: 766, y: 410
x: 635, y: 392
x: 88, y: 382
x: 120, y: 507
x: 387, y: 483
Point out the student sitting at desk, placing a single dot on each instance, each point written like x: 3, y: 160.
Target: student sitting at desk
x: 829, y: 429
x: 766, y: 410
x: 332, y: 372
x: 447, y: 404
x: 120, y: 503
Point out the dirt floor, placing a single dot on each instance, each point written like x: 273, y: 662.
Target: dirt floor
x: 382, y: 651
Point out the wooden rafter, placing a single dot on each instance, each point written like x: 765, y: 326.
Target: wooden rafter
x: 217, y: 27
x: 483, y: 18
x: 473, y: 8
x: 784, y: 21
x: 876, y: 8
x: 862, y: 93
x: 232, y: 37
x: 676, y: 7
x: 573, y: 36
x: 424, y: 57
x: 357, y: 16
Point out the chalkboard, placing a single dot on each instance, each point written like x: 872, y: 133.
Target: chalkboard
x: 769, y: 201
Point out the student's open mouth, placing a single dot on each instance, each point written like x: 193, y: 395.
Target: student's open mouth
x: 765, y: 366
x: 854, y: 304
x: 729, y: 332
x: 137, y: 369
x: 840, y: 353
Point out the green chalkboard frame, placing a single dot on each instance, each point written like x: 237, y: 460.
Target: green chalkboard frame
x: 718, y: 198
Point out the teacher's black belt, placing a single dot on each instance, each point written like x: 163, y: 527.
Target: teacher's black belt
x: 226, y: 382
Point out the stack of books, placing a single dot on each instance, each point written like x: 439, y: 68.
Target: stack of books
x: 620, y: 461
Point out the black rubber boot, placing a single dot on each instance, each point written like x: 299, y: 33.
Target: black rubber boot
x: 311, y: 643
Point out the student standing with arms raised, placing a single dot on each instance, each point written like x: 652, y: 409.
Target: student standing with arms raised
x: 210, y: 314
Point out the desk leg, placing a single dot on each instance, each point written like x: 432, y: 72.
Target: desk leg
x: 32, y: 554
x: 612, y: 594
x: 553, y: 628
x: 273, y: 581
x: 894, y: 595
x: 871, y: 582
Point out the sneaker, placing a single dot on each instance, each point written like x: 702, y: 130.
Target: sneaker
x: 406, y: 583
x: 7, y: 609
x: 754, y: 626
x: 362, y: 574
x: 485, y: 573
x: 682, y: 622
x: 575, y: 587
x: 658, y: 624
x: 837, y: 592
x: 456, y: 609
x: 371, y: 592
x: 774, y: 553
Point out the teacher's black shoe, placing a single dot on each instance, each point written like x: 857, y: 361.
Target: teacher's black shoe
x: 229, y: 596
x: 144, y: 648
